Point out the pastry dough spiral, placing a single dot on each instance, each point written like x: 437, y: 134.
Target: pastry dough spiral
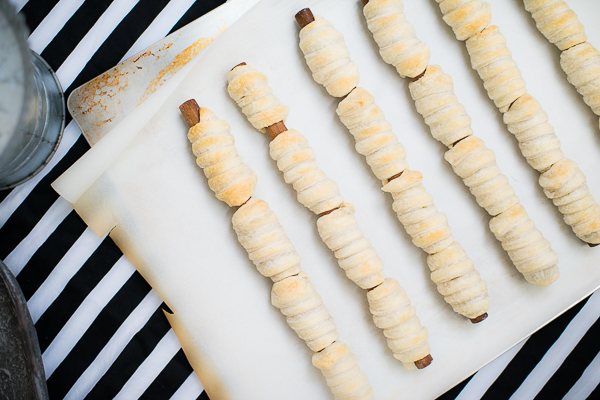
x: 476, y: 165
x: 342, y: 373
x: 269, y: 248
x: 396, y: 37
x: 557, y: 22
x: 393, y: 313
x: 436, y: 102
x: 305, y: 312
x: 529, y: 123
x: 466, y: 17
x: 328, y: 57
x: 525, y: 245
x: 415, y: 209
x: 493, y: 61
x: 340, y: 232
x: 458, y: 281
x: 297, y: 160
x: 250, y: 90
x: 565, y: 184
x: 213, y: 145
x: 373, y: 134
x: 452, y: 270
x: 581, y: 63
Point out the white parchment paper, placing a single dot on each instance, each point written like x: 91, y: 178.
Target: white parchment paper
x: 173, y: 229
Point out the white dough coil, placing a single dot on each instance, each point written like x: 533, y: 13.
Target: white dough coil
x: 392, y: 313
x: 466, y: 17
x: 396, y: 37
x: 555, y: 20
x: 305, y: 312
x: 565, y: 184
x: 476, y: 165
x: 213, y: 145
x: 373, y: 134
x: 493, y: 61
x: 529, y: 123
x: 250, y: 90
x: 525, y: 245
x: 435, y: 100
x: 581, y: 63
x: 328, y: 57
x: 297, y: 160
x: 452, y: 270
x: 415, y: 209
x: 341, y: 233
x: 269, y: 248
x: 459, y: 282
x: 340, y: 368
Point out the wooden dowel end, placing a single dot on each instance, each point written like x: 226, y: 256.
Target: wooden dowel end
x: 191, y: 112
x: 304, y: 17
x: 365, y: 2
x: 242, y: 63
x: 423, y: 362
x: 276, y: 129
x: 593, y: 244
x: 422, y: 74
x: 477, y: 320
x: 391, y: 178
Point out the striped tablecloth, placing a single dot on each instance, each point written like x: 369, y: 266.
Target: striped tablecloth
x: 101, y: 329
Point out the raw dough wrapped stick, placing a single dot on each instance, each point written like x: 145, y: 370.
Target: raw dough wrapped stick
x: 466, y: 17
x: 493, y: 61
x: 555, y: 20
x: 523, y: 115
x: 213, y: 145
x: 579, y: 59
x: 262, y: 236
x: 398, y: 43
x: 393, y: 313
x: 328, y: 58
x: 476, y: 165
x: 581, y: 63
x: 413, y: 205
x: 298, y: 300
x: 345, y: 378
x: 337, y: 225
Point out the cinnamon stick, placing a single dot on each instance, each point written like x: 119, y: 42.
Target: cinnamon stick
x: 304, y: 17
x: 191, y: 112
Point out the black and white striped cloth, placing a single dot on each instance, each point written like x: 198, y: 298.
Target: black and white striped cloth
x: 101, y: 329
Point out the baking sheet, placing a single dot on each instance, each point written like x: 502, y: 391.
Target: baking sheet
x: 178, y: 235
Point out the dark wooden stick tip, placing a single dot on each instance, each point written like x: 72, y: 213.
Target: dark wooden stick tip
x: 329, y: 212
x: 191, y: 112
x: 593, y: 244
x: 365, y: 2
x: 422, y: 74
x: 391, y: 178
x: 304, y: 17
x: 423, y: 362
x: 242, y: 205
x: 242, y: 63
x: 276, y: 129
x: 477, y: 320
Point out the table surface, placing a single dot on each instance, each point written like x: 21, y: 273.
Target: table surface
x: 101, y: 327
